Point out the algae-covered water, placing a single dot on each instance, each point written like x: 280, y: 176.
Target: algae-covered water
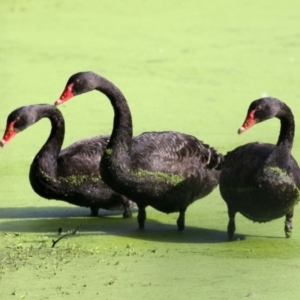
x: 190, y: 66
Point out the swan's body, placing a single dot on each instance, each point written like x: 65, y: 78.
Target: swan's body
x: 166, y: 170
x: 262, y: 181
x: 71, y: 175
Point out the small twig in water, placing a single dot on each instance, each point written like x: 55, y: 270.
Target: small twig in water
x: 67, y: 234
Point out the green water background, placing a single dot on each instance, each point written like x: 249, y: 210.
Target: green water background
x: 190, y: 66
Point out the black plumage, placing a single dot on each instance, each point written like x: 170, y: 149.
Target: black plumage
x: 72, y: 174
x: 166, y: 170
x: 262, y: 181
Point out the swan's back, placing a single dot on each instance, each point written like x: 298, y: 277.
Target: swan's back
x: 173, y: 152
x: 241, y: 164
x: 245, y: 163
x: 82, y: 157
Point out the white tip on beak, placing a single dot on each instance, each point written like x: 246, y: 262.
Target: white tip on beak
x: 241, y: 130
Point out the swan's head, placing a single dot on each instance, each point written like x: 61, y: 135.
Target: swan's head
x: 259, y: 111
x: 77, y: 84
x: 18, y: 120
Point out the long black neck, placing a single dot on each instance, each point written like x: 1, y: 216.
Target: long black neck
x: 281, y: 155
x: 287, y: 130
x: 121, y: 135
x: 116, y: 165
x: 46, y: 158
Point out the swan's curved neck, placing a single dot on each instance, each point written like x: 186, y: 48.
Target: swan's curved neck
x: 116, y: 165
x: 46, y: 159
x: 281, y: 154
x: 287, y: 131
x: 122, y: 126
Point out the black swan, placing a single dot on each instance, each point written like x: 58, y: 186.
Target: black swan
x: 262, y: 181
x: 72, y: 174
x: 166, y: 170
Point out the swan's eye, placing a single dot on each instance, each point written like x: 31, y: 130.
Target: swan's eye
x: 258, y: 108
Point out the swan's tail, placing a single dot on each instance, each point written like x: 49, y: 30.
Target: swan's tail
x: 216, y: 159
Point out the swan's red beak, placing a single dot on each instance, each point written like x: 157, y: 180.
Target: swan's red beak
x: 66, y: 95
x: 248, y: 123
x: 9, y: 133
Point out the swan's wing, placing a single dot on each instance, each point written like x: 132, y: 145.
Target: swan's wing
x: 251, y: 154
x: 245, y: 161
x: 170, y: 151
x: 82, y: 157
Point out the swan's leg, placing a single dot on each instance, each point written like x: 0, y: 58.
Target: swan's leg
x: 141, y: 216
x: 126, y: 204
x: 231, y: 223
x: 181, y: 219
x: 288, y: 228
x: 94, y: 211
